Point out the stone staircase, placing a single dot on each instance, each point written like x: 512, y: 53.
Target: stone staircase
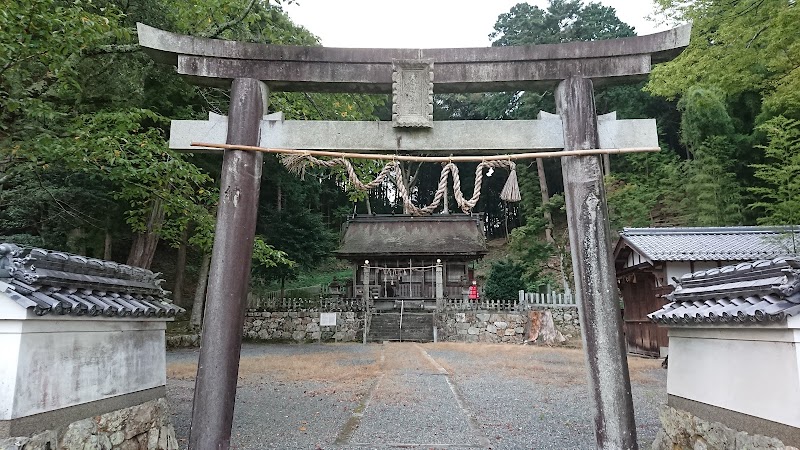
x: 385, y: 326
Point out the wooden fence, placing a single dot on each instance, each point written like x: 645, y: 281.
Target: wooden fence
x: 547, y: 299
x: 316, y: 299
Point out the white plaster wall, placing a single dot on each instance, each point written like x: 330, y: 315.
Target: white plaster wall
x: 9, y: 352
x: 679, y: 268
x: 676, y: 269
x: 752, y: 370
x: 52, y: 362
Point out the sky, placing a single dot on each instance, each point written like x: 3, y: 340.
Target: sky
x: 427, y: 23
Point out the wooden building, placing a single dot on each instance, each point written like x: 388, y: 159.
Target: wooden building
x: 650, y: 261
x: 400, y: 255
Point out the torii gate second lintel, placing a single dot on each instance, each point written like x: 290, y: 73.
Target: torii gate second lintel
x: 256, y: 68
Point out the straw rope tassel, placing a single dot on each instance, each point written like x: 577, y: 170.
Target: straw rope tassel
x: 510, y: 192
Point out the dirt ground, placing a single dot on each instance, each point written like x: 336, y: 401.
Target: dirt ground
x: 407, y: 395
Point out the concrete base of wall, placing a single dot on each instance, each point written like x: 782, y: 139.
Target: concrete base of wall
x: 145, y: 426
x: 683, y: 430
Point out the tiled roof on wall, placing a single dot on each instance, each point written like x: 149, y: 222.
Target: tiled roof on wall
x: 713, y: 244
x: 755, y: 292
x: 51, y: 282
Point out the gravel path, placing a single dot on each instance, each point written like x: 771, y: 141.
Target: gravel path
x: 430, y: 396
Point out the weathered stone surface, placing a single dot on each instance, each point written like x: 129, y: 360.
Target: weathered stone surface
x: 472, y: 331
x: 683, y: 431
x: 125, y: 429
x: 117, y: 438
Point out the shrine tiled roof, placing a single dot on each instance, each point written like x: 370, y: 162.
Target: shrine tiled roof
x: 404, y: 235
x: 712, y: 243
x: 52, y: 282
x: 755, y: 292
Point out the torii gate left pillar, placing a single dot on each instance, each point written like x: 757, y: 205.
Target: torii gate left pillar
x: 229, y: 276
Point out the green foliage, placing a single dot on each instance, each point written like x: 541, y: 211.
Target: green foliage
x: 780, y: 173
x: 713, y: 194
x: 704, y: 114
x: 531, y: 252
x: 267, y: 257
x: 739, y: 47
x: 562, y: 21
x: 629, y: 204
x: 41, y: 42
x: 505, y: 281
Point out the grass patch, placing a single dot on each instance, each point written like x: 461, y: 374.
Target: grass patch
x: 332, y: 367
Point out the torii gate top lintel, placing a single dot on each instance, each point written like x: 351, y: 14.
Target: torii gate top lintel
x: 369, y: 70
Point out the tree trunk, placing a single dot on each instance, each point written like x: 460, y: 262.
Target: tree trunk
x: 180, y: 269
x: 606, y: 164
x: 369, y: 206
x: 144, y: 244
x: 283, y: 284
x: 107, y: 245
x: 548, y: 232
x: 279, y: 198
x: 196, y: 321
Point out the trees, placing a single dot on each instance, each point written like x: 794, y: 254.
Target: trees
x: 742, y: 47
x: 505, y: 281
x: 778, y: 198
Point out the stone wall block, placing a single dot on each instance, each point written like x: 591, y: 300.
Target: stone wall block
x: 683, y: 431
x: 152, y: 439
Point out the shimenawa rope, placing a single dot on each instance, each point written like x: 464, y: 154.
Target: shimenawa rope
x: 298, y: 162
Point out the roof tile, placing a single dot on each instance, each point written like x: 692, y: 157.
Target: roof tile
x: 757, y: 292
x: 713, y: 244
x: 50, y: 282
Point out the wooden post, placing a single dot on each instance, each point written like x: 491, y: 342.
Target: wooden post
x: 367, y: 317
x: 218, y: 367
x: 439, y: 285
x: 595, y: 281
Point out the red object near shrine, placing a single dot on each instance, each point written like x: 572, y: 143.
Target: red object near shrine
x: 473, y: 291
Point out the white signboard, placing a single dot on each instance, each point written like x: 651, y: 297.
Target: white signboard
x: 327, y: 319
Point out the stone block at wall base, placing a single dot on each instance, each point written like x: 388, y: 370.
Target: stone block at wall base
x: 183, y: 341
x: 682, y: 430
x: 142, y: 427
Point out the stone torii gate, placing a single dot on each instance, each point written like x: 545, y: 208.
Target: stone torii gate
x: 254, y: 69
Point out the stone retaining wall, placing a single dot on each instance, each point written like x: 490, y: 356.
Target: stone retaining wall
x: 566, y: 321
x: 301, y: 326
x: 469, y: 326
x: 509, y: 327
x: 682, y: 430
x: 142, y: 427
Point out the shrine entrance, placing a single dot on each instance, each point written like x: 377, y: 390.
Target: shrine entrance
x: 575, y: 134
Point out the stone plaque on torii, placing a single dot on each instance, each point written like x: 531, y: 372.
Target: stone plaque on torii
x: 412, y: 76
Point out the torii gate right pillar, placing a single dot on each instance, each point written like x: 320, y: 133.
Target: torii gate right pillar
x: 593, y: 268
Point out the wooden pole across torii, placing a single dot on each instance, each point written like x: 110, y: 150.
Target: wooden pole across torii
x: 408, y: 74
